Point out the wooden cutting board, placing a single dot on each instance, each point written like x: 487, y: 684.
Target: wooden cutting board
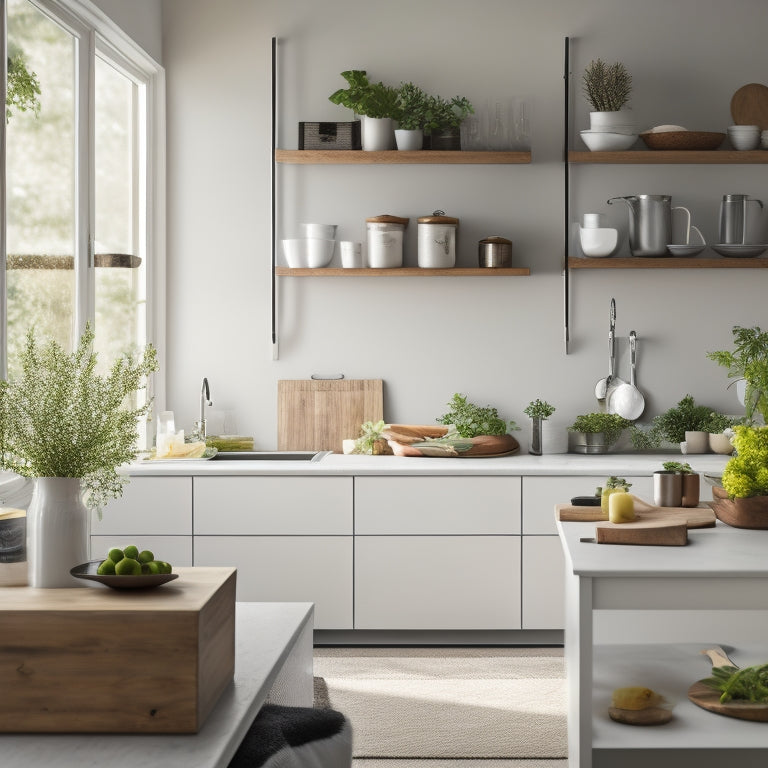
x: 708, y: 698
x: 317, y: 415
x: 659, y: 526
x: 749, y: 105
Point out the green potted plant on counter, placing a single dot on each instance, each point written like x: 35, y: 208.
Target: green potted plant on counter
x: 411, y: 116
x: 596, y: 432
x: 443, y: 119
x: 748, y: 363
x: 675, y: 485
x: 538, y: 411
x: 376, y: 103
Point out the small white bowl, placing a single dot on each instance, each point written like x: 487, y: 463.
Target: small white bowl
x: 320, y: 231
x: 295, y: 252
x: 744, y: 137
x: 603, y: 141
x: 598, y: 241
x: 319, y: 251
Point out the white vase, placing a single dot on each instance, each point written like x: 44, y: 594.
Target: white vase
x: 554, y: 436
x: 57, y: 532
x: 378, y: 133
x: 409, y: 140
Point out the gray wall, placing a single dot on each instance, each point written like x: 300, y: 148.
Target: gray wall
x: 498, y: 340
x: 139, y: 19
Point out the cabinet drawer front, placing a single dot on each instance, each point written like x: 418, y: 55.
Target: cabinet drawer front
x: 149, y: 505
x: 437, y: 582
x: 541, y: 494
x: 315, y: 569
x: 176, y: 550
x: 273, y: 506
x: 543, y: 583
x: 437, y: 505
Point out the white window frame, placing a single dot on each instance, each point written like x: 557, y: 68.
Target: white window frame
x: 98, y: 35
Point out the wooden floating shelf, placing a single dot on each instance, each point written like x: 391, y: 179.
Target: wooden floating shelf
x: 656, y: 157
x: 406, y: 272
x: 395, y: 157
x: 663, y: 262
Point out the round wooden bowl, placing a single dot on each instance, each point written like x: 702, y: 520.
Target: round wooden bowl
x: 691, y: 140
x: 751, y: 512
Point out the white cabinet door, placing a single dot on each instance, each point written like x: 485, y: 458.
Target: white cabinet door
x: 160, y: 506
x: 543, y: 583
x: 315, y: 569
x: 542, y: 493
x: 176, y: 550
x: 437, y: 505
x: 266, y: 506
x: 437, y: 582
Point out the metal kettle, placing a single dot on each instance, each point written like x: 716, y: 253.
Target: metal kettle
x: 650, y: 223
x: 733, y: 219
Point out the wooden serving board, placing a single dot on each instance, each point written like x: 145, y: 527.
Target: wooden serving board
x: 749, y: 105
x: 709, y: 699
x: 319, y: 414
x: 655, y: 526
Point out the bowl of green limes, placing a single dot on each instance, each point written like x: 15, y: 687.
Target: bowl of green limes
x: 126, y: 568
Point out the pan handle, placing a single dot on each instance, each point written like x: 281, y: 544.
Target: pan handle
x: 632, y: 356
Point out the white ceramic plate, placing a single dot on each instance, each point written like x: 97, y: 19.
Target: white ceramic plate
x: 686, y: 250
x: 743, y: 251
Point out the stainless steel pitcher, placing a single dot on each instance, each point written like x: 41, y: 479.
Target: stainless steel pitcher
x: 650, y: 223
x: 733, y: 218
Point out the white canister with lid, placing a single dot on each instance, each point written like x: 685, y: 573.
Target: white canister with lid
x: 437, y: 241
x: 385, y: 241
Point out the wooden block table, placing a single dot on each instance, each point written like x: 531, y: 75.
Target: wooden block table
x: 97, y: 660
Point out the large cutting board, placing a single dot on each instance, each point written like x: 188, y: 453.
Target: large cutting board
x: 318, y: 414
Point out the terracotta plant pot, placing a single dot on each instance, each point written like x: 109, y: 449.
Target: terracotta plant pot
x: 751, y: 512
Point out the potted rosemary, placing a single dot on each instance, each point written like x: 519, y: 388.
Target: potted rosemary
x: 538, y: 411
x: 70, y: 429
x: 607, y: 88
x: 411, y: 116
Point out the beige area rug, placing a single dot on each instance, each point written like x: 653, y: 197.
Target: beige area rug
x: 505, y: 706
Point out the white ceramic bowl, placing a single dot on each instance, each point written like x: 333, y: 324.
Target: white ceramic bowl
x: 320, y: 231
x: 319, y: 251
x: 598, y: 241
x: 744, y: 137
x: 604, y: 141
x: 295, y: 252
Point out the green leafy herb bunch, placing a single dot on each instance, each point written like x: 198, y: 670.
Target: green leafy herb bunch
x: 470, y: 420
x: 59, y: 418
x: 746, y: 473
x: 607, y: 86
x: 539, y: 409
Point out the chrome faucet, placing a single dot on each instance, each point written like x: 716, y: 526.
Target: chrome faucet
x: 205, y: 397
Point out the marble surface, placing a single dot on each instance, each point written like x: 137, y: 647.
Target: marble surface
x: 265, y: 636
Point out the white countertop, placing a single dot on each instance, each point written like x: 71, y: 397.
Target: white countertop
x: 520, y: 464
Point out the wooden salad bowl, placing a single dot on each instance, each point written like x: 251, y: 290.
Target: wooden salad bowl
x: 751, y: 512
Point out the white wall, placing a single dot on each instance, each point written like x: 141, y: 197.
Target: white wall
x: 498, y: 340
x: 140, y: 20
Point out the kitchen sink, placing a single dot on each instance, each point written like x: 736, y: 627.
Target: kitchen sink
x: 270, y: 455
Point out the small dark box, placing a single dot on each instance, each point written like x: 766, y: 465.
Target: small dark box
x: 330, y: 135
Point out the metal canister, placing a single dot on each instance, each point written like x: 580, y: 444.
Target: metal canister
x: 437, y: 241
x: 495, y: 251
x: 385, y: 241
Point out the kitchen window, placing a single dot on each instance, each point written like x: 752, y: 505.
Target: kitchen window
x: 83, y: 183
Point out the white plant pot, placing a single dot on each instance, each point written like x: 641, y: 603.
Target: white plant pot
x: 409, y: 140
x: 697, y: 442
x: 620, y: 121
x: 378, y: 133
x: 57, y: 532
x: 554, y: 436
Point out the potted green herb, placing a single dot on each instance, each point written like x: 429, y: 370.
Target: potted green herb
x: 376, y: 103
x: 596, y: 432
x: 371, y: 441
x: 443, y: 119
x: 411, y: 116
x: 748, y: 363
x: 613, y: 484
x: 538, y: 411
x: 607, y: 88
x: 675, y: 485
x: 685, y: 423
x: 68, y: 427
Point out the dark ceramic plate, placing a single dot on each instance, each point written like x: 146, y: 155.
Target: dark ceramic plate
x: 88, y: 571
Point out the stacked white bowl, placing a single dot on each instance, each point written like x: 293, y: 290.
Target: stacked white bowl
x: 744, y: 137
x: 610, y: 131
x: 313, y: 249
x: 596, y: 239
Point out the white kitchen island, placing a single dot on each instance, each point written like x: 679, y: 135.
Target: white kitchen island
x: 273, y: 662
x: 720, y: 581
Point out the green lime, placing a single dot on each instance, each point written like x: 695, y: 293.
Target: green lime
x: 128, y: 567
x: 115, y: 555
x: 107, y: 568
x: 164, y: 567
x: 145, y: 557
x: 131, y: 551
x: 150, y: 568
